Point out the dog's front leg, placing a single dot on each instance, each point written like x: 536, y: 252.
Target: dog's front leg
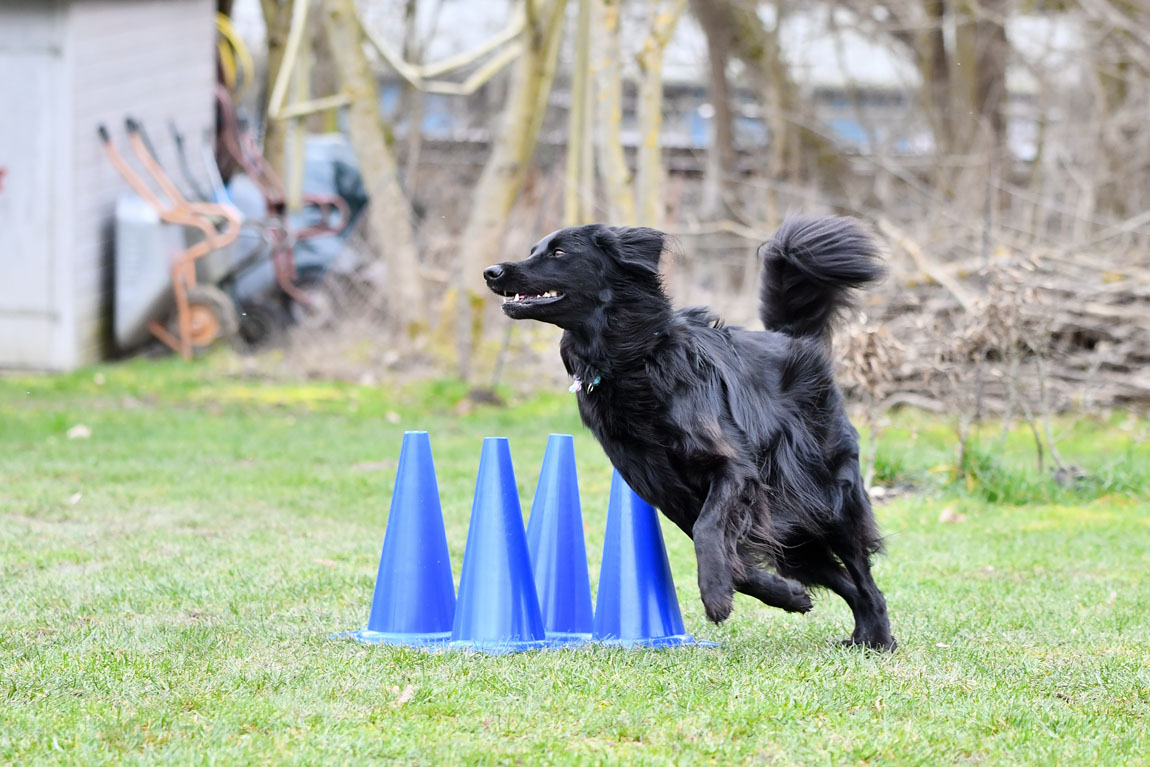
x: 712, y: 552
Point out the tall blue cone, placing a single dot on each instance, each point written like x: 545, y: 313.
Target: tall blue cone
x: 498, y: 609
x: 555, y: 543
x: 636, y: 604
x: 414, y: 601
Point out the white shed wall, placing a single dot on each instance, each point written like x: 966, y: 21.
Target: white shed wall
x: 66, y: 66
x: 33, y: 276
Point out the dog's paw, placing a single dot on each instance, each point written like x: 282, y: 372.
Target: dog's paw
x: 718, y: 610
x: 879, y: 644
x: 799, y: 599
x: 718, y: 595
x: 717, y: 589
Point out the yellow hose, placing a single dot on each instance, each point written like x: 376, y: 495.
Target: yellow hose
x: 235, y: 58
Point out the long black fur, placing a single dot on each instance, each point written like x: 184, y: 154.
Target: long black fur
x: 739, y: 437
x: 807, y: 267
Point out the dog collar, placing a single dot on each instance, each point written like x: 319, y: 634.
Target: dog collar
x: 577, y: 386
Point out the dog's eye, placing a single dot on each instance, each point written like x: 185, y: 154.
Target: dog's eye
x: 558, y: 253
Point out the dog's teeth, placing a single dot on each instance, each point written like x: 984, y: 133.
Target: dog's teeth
x: 516, y: 296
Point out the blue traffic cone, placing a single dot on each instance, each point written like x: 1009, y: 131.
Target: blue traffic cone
x: 414, y: 601
x: 498, y: 610
x: 636, y: 605
x: 555, y: 543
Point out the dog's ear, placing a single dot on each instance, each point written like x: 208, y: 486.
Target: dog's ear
x: 635, y: 246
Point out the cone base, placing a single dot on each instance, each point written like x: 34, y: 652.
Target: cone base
x: 656, y: 643
x: 367, y: 636
x: 569, y: 638
x: 554, y: 641
x: 500, y: 647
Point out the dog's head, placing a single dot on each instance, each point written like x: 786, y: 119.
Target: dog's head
x: 574, y: 271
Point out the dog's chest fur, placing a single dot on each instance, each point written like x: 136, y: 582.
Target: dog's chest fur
x: 628, y: 412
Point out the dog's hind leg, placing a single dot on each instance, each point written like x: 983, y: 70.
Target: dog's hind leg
x: 872, y: 625
x: 854, y: 543
x: 814, y: 564
x: 774, y: 590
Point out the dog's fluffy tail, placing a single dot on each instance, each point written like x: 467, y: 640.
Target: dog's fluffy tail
x: 810, y: 267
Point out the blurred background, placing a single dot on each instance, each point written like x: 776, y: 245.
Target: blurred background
x: 316, y: 185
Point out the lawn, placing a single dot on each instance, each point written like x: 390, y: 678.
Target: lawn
x: 169, y: 583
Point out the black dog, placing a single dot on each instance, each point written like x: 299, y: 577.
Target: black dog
x: 739, y: 437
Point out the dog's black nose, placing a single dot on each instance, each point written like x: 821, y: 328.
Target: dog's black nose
x: 493, y: 272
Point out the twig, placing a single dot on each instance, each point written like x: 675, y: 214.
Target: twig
x: 925, y: 264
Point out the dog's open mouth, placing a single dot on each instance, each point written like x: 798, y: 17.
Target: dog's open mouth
x: 531, y: 299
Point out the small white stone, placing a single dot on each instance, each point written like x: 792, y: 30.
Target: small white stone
x: 79, y: 431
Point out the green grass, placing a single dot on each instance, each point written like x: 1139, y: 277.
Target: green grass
x: 167, y: 588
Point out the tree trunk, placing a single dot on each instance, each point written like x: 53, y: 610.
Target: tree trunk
x: 649, y: 181
x: 991, y: 77
x: 576, y: 193
x: 782, y: 101
x: 297, y: 127
x: 757, y: 47
x: 980, y: 72
x: 979, y: 82
x: 413, y: 100
x: 513, y: 145
x: 1118, y: 67
x: 277, y: 19
x: 324, y: 79
x: 609, y: 142
x: 721, y: 156
x: 936, y: 84
x: 794, y: 149
x: 389, y: 213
